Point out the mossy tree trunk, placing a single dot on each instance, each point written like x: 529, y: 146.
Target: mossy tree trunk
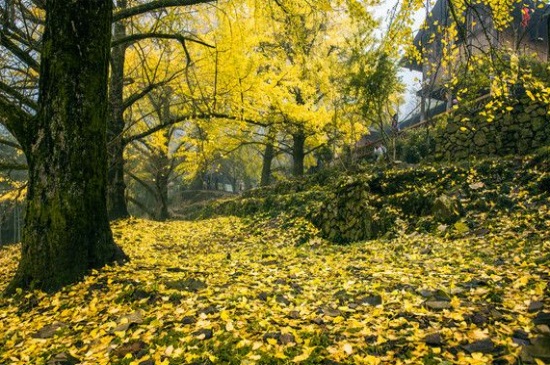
x: 116, y: 187
x: 67, y: 230
x: 298, y: 153
x: 269, y: 154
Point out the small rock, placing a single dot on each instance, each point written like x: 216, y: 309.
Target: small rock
x: 280, y: 282
x: 457, y: 291
x: 63, y: 358
x: 542, y: 329
x: 129, y: 321
x: 294, y: 315
x: 372, y: 300
x: 342, y: 296
x: 297, y: 288
x: 318, y: 320
x: 132, y: 347
x: 211, y: 309
x: 521, y: 337
x: 271, y: 335
x: 440, y: 295
x: 446, y: 209
x: 188, y: 320
x: 535, y: 307
x: 204, y: 334
x: 437, y: 304
x: 481, y: 232
x: 49, y: 330
x: 478, y: 319
x: 496, y: 315
x: 540, y: 349
x: 542, y: 318
x: 434, y: 339
x: 475, y: 283
x: 190, y: 285
x: 425, y: 293
x: 282, y: 299
x: 286, y: 338
x: 331, y: 312
x: 263, y: 296
x: 484, y: 346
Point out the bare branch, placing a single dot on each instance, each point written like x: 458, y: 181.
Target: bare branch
x: 18, y: 52
x: 9, y: 143
x: 18, y: 96
x: 154, y: 5
x: 140, y: 36
x: 142, y: 183
x: 183, y: 118
x: 132, y: 99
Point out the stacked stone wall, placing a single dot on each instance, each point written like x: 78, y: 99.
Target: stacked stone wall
x: 519, y: 129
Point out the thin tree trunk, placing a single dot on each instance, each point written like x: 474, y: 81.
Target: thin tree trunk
x: 298, y: 153
x: 116, y: 187
x: 162, y: 161
x: 161, y: 212
x: 67, y: 230
x: 269, y: 154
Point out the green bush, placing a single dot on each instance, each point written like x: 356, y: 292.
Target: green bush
x: 415, y: 145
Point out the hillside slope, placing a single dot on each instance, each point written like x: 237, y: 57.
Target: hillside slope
x: 272, y: 290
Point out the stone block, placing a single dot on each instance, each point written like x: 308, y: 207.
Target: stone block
x: 480, y: 138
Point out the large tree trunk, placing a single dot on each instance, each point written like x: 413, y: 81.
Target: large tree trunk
x: 298, y: 153
x: 116, y: 187
x: 67, y: 230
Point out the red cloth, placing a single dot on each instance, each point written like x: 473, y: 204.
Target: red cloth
x: 525, y: 17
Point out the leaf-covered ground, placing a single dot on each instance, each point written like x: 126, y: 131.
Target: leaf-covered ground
x: 222, y: 291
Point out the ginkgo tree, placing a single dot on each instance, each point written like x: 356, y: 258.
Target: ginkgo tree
x: 61, y: 126
x: 276, y: 72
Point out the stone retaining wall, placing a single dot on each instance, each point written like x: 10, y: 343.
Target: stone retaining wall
x: 468, y: 133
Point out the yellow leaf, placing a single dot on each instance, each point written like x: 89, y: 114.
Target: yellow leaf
x: 306, y: 353
x: 224, y: 315
x: 169, y: 350
x: 229, y: 326
x: 348, y: 349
